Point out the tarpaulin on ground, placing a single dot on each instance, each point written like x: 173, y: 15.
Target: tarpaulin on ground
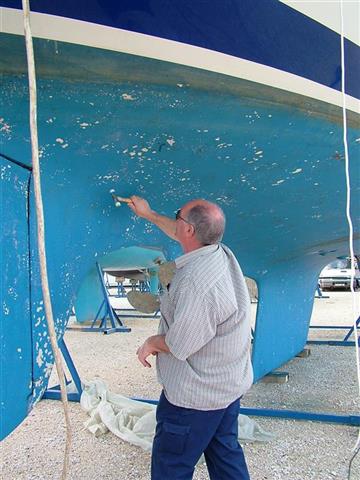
x: 134, y: 421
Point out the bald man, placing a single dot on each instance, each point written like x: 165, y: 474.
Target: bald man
x: 202, y: 349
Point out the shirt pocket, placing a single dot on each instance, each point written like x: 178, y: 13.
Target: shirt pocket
x: 173, y: 438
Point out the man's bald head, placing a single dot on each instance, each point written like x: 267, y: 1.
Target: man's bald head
x: 208, y: 220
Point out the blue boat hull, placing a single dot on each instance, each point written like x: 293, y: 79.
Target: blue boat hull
x: 107, y: 120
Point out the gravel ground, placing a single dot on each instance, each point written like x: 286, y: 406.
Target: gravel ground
x: 324, y: 382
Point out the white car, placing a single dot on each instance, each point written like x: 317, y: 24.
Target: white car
x: 338, y: 274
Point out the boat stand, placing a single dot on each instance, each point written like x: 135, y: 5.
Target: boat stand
x: 54, y: 393
x: 116, y: 325
x: 120, y: 314
x: 121, y: 291
x: 342, y: 343
x: 352, y: 420
x: 120, y: 288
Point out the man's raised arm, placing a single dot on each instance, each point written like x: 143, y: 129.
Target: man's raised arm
x: 142, y: 209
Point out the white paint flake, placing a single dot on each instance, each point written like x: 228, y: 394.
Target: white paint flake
x: 170, y: 141
x: 5, y: 127
x: 278, y: 183
x: 126, y: 96
x: 298, y: 170
x: 38, y: 321
x: 59, y: 140
x: 39, y: 358
x: 6, y: 309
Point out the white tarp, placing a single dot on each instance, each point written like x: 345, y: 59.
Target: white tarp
x: 134, y: 421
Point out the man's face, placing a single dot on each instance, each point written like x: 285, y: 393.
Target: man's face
x: 184, y: 229
x: 180, y: 225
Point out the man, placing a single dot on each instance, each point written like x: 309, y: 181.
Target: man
x: 203, y: 349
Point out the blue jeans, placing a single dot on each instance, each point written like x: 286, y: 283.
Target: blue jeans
x: 183, y: 434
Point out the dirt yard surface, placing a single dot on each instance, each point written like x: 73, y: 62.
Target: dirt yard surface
x: 326, y: 382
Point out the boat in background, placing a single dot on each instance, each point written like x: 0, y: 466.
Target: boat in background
x: 238, y: 102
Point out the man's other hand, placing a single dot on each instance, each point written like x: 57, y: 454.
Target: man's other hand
x: 144, y: 351
x: 152, y: 346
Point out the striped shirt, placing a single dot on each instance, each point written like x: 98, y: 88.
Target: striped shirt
x: 205, y: 317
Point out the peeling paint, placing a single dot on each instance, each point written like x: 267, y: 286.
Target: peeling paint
x: 39, y: 358
x: 126, y: 96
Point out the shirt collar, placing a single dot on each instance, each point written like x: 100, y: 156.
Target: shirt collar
x: 199, y: 252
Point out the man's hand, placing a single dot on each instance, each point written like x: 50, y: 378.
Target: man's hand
x: 151, y: 346
x: 140, y: 207
x: 144, y: 351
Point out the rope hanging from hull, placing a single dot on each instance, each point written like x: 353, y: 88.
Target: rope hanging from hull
x: 41, y: 231
x: 348, y: 216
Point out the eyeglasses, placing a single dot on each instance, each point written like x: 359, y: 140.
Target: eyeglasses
x: 178, y: 215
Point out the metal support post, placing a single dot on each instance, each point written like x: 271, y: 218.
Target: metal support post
x: 53, y: 393
x: 319, y: 293
x: 342, y: 343
x: 116, y: 325
x: 353, y: 420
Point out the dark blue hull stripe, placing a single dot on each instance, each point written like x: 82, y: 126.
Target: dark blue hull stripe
x: 266, y: 32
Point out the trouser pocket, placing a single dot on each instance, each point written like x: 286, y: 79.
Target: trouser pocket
x: 173, y: 437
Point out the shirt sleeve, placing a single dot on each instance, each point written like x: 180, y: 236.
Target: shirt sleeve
x: 195, y: 324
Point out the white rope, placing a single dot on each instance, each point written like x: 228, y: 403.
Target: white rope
x: 41, y: 230
x: 348, y: 215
